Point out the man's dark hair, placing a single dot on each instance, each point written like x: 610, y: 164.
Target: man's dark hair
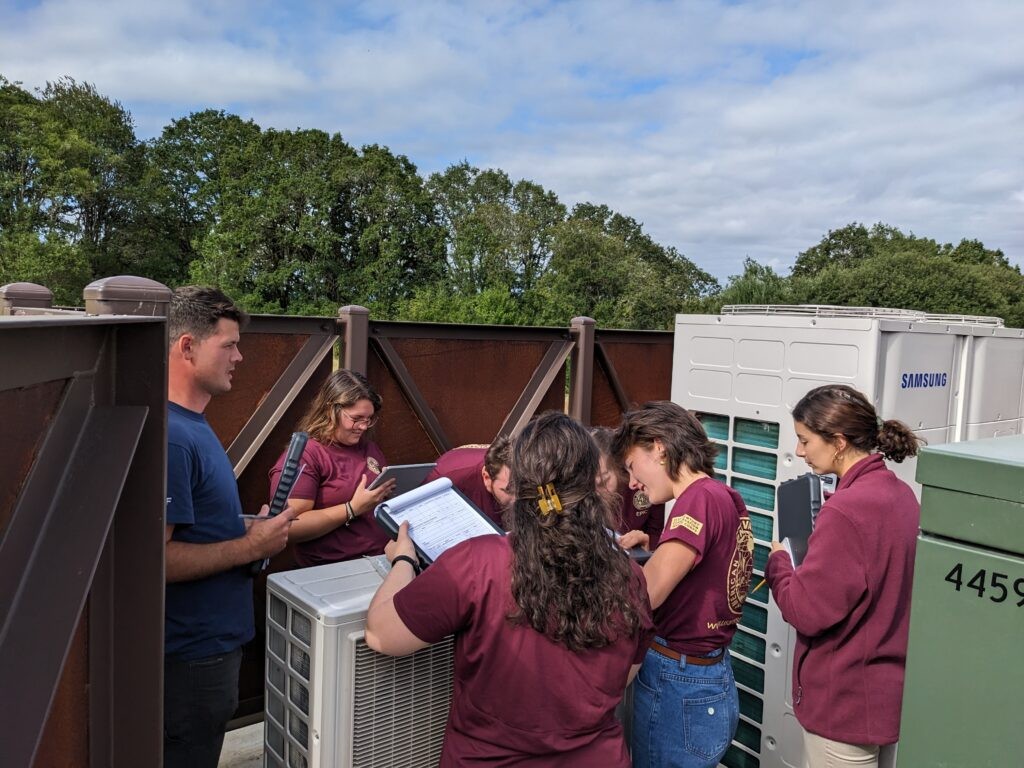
x: 196, y: 309
x: 498, y: 455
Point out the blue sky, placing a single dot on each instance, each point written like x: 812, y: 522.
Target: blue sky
x: 729, y: 129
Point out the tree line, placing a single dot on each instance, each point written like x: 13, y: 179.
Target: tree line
x: 300, y: 222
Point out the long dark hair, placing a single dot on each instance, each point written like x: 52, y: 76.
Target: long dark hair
x: 679, y: 431
x: 570, y: 581
x: 838, y: 409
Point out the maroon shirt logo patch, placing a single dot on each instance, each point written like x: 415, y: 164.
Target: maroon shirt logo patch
x: 373, y: 465
x: 641, y: 503
x: 741, y: 566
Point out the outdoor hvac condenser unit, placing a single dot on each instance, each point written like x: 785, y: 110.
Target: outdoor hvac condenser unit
x: 950, y: 378
x: 331, y: 702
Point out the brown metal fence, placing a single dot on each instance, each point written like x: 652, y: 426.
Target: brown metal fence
x: 443, y: 386
x: 81, y: 534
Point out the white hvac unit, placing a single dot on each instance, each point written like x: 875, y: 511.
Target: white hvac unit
x: 949, y: 378
x: 331, y: 702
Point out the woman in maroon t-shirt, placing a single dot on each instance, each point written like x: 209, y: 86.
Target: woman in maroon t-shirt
x: 685, y: 703
x: 334, y: 505
x: 849, y: 600
x: 550, y: 622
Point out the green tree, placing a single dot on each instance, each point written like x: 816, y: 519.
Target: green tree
x: 397, y: 245
x: 498, y: 233
x: 69, y: 164
x: 98, y: 165
x: 188, y: 167
x: 910, y: 272
x: 278, y: 241
x: 307, y: 225
x: 604, y: 266
x: 846, y: 247
x: 759, y: 284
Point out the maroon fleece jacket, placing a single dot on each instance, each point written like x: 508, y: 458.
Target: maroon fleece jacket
x: 849, y: 602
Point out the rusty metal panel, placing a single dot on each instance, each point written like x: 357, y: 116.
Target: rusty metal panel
x: 27, y: 412
x: 65, y: 741
x: 264, y: 357
x: 470, y: 385
x: 633, y: 365
x: 269, y: 345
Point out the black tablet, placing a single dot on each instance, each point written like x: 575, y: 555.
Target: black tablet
x: 408, y: 476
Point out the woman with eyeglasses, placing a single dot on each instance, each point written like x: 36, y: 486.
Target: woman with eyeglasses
x: 331, y: 495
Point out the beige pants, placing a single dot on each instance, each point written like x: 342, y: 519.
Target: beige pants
x: 820, y: 752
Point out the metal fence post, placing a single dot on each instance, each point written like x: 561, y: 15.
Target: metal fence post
x: 126, y: 295
x: 581, y: 393
x: 15, y: 295
x: 357, y: 337
x: 126, y: 635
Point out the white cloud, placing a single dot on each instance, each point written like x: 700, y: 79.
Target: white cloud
x: 729, y: 130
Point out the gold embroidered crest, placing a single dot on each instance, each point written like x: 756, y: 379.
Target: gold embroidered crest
x: 691, y: 524
x: 641, y: 503
x: 373, y: 465
x: 741, y: 566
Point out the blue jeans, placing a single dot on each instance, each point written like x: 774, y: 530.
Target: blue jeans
x: 199, y: 698
x: 684, y: 715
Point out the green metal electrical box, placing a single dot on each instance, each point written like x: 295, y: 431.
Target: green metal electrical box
x: 963, y: 701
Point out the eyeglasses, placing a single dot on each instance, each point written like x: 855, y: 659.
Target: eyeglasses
x: 357, y: 421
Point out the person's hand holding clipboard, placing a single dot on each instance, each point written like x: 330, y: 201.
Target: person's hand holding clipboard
x: 439, y: 517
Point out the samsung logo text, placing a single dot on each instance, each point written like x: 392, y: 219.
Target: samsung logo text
x: 923, y: 380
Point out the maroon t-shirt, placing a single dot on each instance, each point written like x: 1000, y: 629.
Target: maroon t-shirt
x: 463, y: 467
x: 701, y: 613
x: 518, y: 697
x: 638, y: 514
x: 330, y: 477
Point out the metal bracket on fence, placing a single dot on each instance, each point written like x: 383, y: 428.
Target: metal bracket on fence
x: 544, y: 375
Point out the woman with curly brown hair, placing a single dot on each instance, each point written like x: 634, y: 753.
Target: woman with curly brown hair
x: 334, y: 504
x: 550, y: 622
x: 849, y: 600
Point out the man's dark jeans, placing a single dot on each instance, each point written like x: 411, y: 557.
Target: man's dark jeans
x: 199, y: 698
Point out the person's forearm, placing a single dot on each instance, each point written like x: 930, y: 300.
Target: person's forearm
x: 316, y: 522
x: 185, y: 561
x: 400, y: 575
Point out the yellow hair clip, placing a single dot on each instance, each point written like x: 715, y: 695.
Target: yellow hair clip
x: 548, y: 501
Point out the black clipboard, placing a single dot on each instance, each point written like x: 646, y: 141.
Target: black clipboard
x: 390, y: 514
x: 798, y: 502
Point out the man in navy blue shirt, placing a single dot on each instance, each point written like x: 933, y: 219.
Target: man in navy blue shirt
x: 209, y: 546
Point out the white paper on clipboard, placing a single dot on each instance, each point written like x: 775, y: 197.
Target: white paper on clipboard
x: 439, y: 517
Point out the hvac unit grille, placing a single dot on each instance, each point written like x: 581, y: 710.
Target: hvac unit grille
x: 748, y: 456
x: 398, y: 706
x: 401, y: 706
